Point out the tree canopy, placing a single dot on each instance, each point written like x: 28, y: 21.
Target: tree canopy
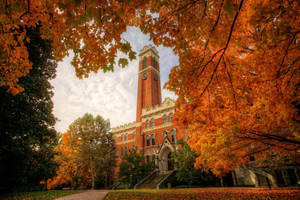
x: 86, y: 154
x: 27, y: 134
x: 238, y: 75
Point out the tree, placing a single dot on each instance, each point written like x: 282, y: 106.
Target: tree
x: 237, y: 80
x: 184, y: 159
x: 27, y: 134
x: 91, y: 29
x: 71, y: 170
x: 86, y: 154
x: 133, y: 168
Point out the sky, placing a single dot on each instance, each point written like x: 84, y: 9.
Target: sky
x: 113, y: 95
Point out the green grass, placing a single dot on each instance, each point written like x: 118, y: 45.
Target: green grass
x: 206, y: 194
x: 40, y: 195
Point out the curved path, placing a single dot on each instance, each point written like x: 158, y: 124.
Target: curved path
x: 88, y: 195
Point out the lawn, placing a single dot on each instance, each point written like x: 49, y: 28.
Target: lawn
x: 207, y: 194
x: 40, y: 195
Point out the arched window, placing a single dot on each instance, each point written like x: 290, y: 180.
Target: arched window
x: 165, y: 118
x: 153, y: 139
x: 173, y: 135
x: 147, y: 140
x: 121, y: 151
x: 170, y: 117
x: 147, y: 123
x: 152, y: 122
x: 145, y: 62
x: 126, y: 150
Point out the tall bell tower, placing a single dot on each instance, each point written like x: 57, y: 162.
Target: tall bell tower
x: 149, y: 92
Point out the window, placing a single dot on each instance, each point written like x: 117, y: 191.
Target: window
x: 134, y: 135
x: 126, y: 150
x: 145, y: 62
x: 154, y: 63
x: 121, y: 151
x: 165, y: 118
x: 153, y: 158
x: 126, y: 137
x: 147, y: 140
x: 173, y: 136
x: 147, y: 124
x: 171, y: 117
x: 122, y: 138
x: 153, y: 139
x: 152, y: 122
x: 147, y: 159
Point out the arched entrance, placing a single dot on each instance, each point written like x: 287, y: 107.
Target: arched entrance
x: 164, y: 160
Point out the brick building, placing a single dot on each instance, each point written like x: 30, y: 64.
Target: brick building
x: 155, y: 135
x: 153, y: 132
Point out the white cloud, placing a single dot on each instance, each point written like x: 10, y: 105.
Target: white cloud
x: 112, y: 95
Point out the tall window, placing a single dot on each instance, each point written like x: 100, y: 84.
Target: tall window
x: 173, y: 135
x: 153, y: 139
x: 153, y: 158
x: 152, y: 122
x: 171, y: 117
x: 148, y: 140
x: 147, y: 159
x: 126, y: 137
x: 165, y: 118
x: 122, y: 138
x: 126, y: 150
x: 154, y: 63
x: 145, y: 62
x: 147, y: 123
x: 134, y: 135
x: 121, y: 151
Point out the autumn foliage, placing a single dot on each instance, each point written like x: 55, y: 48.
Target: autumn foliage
x: 238, y: 75
x: 71, y: 171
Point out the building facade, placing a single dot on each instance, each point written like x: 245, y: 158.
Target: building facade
x: 153, y: 132
x: 156, y: 135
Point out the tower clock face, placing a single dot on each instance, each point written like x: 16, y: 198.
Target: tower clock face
x: 155, y: 77
x: 144, y: 76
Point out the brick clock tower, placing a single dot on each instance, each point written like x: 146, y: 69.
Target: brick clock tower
x: 153, y: 132
x: 149, y: 91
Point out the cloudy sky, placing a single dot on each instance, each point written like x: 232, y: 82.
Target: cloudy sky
x: 112, y: 95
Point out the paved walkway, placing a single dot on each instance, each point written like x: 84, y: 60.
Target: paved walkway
x: 88, y: 195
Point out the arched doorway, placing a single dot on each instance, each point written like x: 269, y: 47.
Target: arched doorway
x: 164, y: 160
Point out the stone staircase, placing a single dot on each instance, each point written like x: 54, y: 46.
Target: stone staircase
x: 153, y: 181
